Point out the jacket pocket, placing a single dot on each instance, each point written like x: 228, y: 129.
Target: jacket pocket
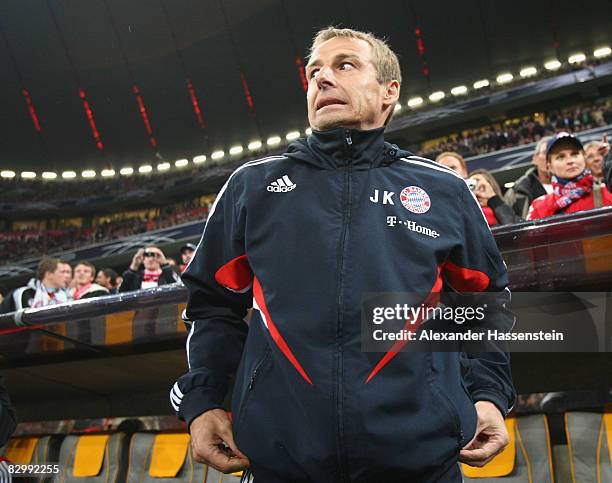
x: 453, y: 415
x: 254, y: 377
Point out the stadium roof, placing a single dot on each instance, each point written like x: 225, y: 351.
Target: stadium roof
x: 78, y: 77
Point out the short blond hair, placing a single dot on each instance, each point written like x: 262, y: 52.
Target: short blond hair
x: 385, y: 60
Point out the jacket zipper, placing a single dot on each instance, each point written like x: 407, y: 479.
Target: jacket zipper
x: 257, y: 367
x: 346, y: 218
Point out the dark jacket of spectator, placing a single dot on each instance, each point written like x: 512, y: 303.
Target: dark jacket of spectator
x: 132, y: 280
x: 503, y: 214
x: 7, y: 415
x: 526, y: 189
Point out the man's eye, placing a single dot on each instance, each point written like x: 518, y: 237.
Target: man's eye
x: 345, y: 65
x: 313, y: 73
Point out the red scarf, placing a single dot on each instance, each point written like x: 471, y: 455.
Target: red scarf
x: 79, y: 292
x: 569, y: 190
x: 151, y: 275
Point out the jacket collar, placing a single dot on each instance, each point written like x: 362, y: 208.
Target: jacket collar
x: 342, y: 147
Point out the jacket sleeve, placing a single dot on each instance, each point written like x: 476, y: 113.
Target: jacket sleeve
x: 131, y: 281
x: 168, y: 275
x: 7, y: 415
x: 476, y: 267
x: 505, y: 214
x: 219, y: 281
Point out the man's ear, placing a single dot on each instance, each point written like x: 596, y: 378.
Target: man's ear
x: 392, y: 93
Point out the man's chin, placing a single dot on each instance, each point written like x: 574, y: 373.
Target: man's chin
x: 333, y: 122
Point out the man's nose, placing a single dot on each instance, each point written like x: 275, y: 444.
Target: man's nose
x: 325, y: 77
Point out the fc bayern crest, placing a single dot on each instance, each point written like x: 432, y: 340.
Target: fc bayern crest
x: 415, y: 199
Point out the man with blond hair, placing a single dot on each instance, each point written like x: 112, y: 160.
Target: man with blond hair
x: 302, y: 238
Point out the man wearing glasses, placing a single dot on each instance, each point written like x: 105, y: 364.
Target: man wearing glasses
x: 149, y: 268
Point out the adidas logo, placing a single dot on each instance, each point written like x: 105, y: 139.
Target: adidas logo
x: 281, y: 185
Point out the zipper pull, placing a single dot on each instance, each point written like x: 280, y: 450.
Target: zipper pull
x: 349, y: 139
x: 252, y: 379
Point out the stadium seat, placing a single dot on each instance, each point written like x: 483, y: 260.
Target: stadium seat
x: 156, y: 458
x: 589, y: 442
x: 32, y: 449
x: 92, y: 458
x: 526, y: 459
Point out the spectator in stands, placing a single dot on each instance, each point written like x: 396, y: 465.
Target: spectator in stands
x: 488, y: 194
x: 49, y: 288
x: 107, y: 277
x: 7, y: 415
x: 66, y: 268
x: 594, y: 154
x: 533, y: 184
x: 187, y: 251
x: 573, y: 184
x: 85, y: 288
x: 156, y: 270
x: 453, y: 161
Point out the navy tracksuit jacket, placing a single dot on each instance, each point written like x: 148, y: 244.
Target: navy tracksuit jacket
x: 299, y: 238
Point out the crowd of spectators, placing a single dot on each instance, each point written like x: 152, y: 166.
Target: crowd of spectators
x: 525, y: 130
x: 21, y: 245
x: 57, y: 281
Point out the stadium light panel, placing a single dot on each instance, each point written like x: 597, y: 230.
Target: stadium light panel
x: 88, y: 173
x: 107, y: 173
x: 415, y: 101
x: 49, y: 175
x: 308, y: 131
x: 127, y: 171
x: 7, y: 174
x: 236, y: 150
x: 28, y: 174
x: 273, y: 141
x: 481, y: 83
x: 576, y: 58
x: 552, y: 64
x: 509, y: 184
x: 181, y: 163
x: 602, y: 52
x: 459, y: 90
x: 147, y: 168
x: 528, y: 71
x: 436, y: 96
x: 199, y: 159
x: 504, y: 78
x: 292, y: 135
x: 69, y: 175
x: 217, y: 155
x: 254, y: 145
x: 163, y: 166
x: 398, y: 107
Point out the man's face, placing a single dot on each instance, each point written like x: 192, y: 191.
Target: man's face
x: 539, y: 159
x: 102, y: 279
x: 342, y: 87
x: 187, y: 255
x: 60, y: 278
x: 152, y: 263
x: 83, y: 275
x: 66, y: 274
x: 566, y: 161
x: 594, y: 161
x: 454, y: 164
